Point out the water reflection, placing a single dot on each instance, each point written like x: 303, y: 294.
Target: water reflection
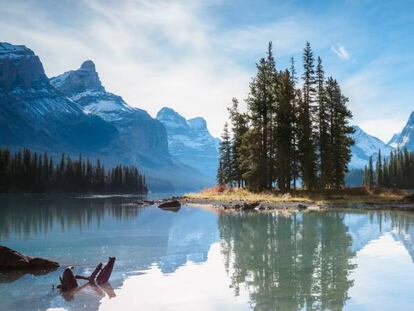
x: 301, y: 261
x: 82, y: 232
x: 30, y: 215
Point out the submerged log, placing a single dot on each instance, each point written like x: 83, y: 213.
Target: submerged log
x: 13, y: 260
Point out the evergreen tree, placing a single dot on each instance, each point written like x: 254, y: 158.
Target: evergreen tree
x: 307, y: 150
x: 239, y: 129
x: 295, y: 106
x: 224, y: 174
x: 285, y: 133
x: 378, y: 169
x: 341, y: 131
x: 324, y: 119
x: 261, y: 102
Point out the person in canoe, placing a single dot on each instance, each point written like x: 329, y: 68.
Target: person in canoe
x: 100, y: 276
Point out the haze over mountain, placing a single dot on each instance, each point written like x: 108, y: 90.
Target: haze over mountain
x: 364, y: 147
x: 72, y: 113
x: 33, y: 113
x: 190, y: 141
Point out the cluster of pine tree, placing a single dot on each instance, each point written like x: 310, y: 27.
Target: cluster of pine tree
x: 288, y: 133
x: 396, y: 171
x: 27, y: 171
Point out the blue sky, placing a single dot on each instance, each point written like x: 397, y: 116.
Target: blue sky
x: 194, y: 56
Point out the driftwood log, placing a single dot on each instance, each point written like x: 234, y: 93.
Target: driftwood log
x: 68, y: 281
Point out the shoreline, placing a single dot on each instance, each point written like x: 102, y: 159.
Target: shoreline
x: 245, y: 201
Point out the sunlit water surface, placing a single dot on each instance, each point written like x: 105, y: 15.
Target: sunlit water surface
x: 198, y: 259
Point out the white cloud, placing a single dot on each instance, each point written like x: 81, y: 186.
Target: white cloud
x: 341, y: 52
x: 171, y: 53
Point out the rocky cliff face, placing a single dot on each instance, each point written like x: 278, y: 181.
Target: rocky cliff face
x: 34, y: 114
x: 405, y: 139
x: 20, y: 67
x: 190, y: 141
x: 142, y: 138
x: 73, y: 113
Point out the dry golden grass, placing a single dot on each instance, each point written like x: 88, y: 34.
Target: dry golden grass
x: 228, y: 194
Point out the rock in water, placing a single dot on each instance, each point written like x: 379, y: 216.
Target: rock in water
x: 13, y: 260
x: 170, y: 205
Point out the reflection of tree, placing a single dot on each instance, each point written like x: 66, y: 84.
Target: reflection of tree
x: 289, y: 262
x: 31, y: 215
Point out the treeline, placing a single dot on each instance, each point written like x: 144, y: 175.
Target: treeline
x: 288, y: 134
x: 395, y: 171
x: 27, y: 171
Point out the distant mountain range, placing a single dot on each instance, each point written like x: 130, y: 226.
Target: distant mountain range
x: 190, y: 142
x: 404, y: 139
x: 367, y: 145
x: 74, y: 114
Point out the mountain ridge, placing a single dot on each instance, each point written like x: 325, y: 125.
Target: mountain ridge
x: 364, y: 147
x: 190, y: 141
x: 405, y: 138
x: 73, y: 114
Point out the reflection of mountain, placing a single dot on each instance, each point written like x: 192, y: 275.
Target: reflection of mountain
x: 81, y: 232
x: 190, y: 235
x: 363, y: 229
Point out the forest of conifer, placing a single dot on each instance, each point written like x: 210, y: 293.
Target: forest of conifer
x: 291, y: 134
x: 27, y: 171
x: 395, y: 171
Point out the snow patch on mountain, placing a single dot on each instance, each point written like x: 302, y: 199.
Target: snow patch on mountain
x: 404, y: 139
x: 190, y: 141
x: 11, y: 51
x: 364, y: 147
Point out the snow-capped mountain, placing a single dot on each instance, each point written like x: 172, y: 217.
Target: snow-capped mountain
x: 142, y: 139
x: 190, y: 141
x: 365, y: 146
x: 405, y: 139
x: 138, y: 130
x: 34, y: 114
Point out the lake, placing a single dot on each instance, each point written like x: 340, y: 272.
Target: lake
x: 199, y: 259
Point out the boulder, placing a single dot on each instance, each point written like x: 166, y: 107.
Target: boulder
x: 249, y: 206
x: 409, y: 198
x: 301, y: 206
x: 170, y: 205
x: 13, y: 260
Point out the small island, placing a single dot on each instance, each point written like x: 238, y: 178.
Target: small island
x: 245, y: 200
x: 291, y: 148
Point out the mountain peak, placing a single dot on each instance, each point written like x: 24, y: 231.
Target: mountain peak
x: 411, y: 118
x: 8, y: 49
x: 365, y: 146
x: 405, y: 139
x: 20, y: 67
x: 88, y: 65
x: 197, y: 123
x: 78, y: 81
x: 171, y: 117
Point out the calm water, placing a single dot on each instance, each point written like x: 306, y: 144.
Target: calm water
x: 197, y: 259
